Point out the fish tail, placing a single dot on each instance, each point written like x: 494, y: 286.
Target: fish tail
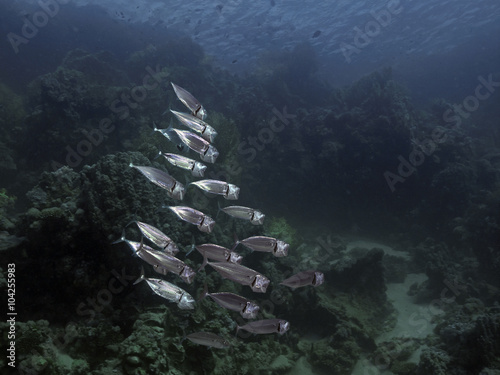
x: 155, y: 129
x: 159, y: 154
x: 219, y: 210
x: 193, y: 246
x: 190, y: 250
x: 170, y: 126
x: 236, y: 241
x: 184, y: 336
x: 131, y: 222
x: 121, y: 239
x: 140, y: 277
x: 140, y: 247
x: 162, y: 207
x: 204, y: 294
x: 205, y: 261
x: 168, y: 109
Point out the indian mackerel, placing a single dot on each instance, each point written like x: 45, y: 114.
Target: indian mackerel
x: 279, y: 248
x: 194, y: 123
x: 197, y: 169
x: 158, y: 177
x: 157, y: 237
x: 217, y: 253
x: 162, y: 262
x: 233, y: 302
x: 170, y: 292
x: 266, y: 326
x: 228, y: 191
x: 242, y: 275
x: 190, y: 101
x: 203, y: 222
x: 199, y: 145
x: 208, y: 339
x: 310, y: 277
x: 254, y: 216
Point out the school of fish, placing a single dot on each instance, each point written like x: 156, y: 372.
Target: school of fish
x: 226, y: 262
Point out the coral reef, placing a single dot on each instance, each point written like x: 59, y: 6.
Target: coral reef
x: 322, y: 173
x: 6, y: 202
x: 278, y: 227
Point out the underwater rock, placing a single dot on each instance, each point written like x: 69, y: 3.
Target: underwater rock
x: 440, y: 267
x: 326, y: 355
x: 8, y: 241
x: 278, y: 227
x: 54, y: 211
x: 363, y: 275
x: 74, y: 217
x: 6, y: 158
x: 394, y: 355
x: 99, y: 67
x: 471, y: 338
x: 280, y: 365
x: 433, y: 361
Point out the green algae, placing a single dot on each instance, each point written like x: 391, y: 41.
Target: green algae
x: 279, y: 227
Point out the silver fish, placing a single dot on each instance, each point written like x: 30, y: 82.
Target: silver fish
x: 203, y: 222
x: 233, y: 302
x: 166, y: 263
x: 168, y: 133
x: 228, y: 191
x: 217, y: 253
x: 310, y: 277
x: 157, y: 237
x: 190, y: 101
x: 194, y: 123
x: 254, y: 216
x: 170, y: 292
x: 162, y: 262
x: 208, y: 339
x: 266, y: 244
x: 174, y: 188
x: 242, y: 275
x: 207, y: 152
x: 266, y: 326
x: 134, y: 246
x: 197, y: 169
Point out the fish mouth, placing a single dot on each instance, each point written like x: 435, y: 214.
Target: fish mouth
x: 178, y: 192
x: 318, y: 279
x: 206, y: 225
x: 210, y: 155
x: 257, y: 218
x: 260, y: 284
x: 250, y: 311
x: 188, y: 275
x: 283, y: 327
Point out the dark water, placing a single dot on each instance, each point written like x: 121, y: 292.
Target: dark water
x: 367, y: 134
